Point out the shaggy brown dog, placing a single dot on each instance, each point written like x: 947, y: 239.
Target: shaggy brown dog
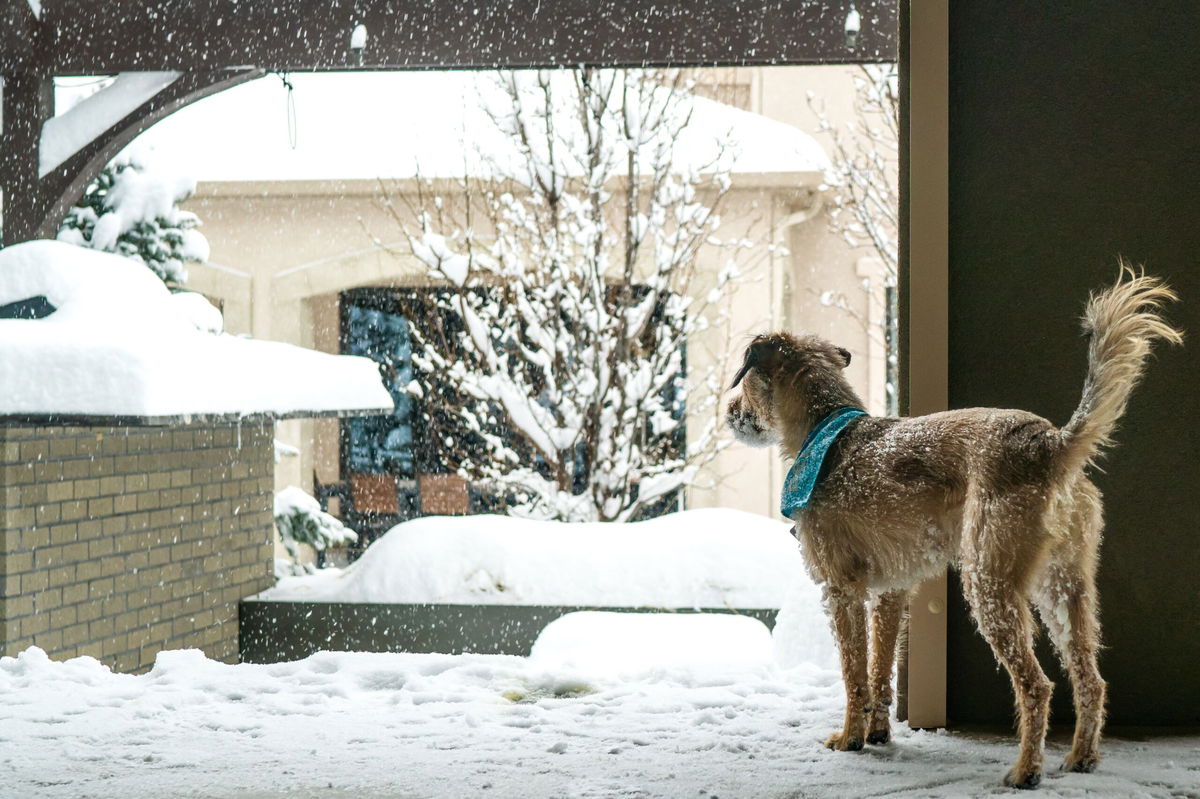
x: 1002, y: 494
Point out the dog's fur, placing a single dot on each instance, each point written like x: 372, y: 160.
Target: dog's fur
x: 1002, y: 494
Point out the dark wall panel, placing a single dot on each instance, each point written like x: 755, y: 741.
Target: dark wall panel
x: 1075, y: 137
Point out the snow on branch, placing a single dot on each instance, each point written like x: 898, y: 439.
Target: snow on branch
x: 864, y: 174
x: 558, y: 348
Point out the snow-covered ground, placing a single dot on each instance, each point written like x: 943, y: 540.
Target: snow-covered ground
x: 394, y: 725
x: 607, y: 704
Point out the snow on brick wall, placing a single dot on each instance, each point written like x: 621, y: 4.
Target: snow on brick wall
x: 120, y: 344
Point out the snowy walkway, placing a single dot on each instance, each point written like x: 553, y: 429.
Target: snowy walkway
x: 342, y: 725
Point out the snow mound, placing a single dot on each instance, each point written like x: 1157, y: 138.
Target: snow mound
x: 119, y: 344
x: 802, y: 635
x: 705, y: 558
x: 625, y: 643
x: 203, y: 315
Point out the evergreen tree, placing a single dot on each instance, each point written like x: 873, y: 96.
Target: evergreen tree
x: 133, y: 210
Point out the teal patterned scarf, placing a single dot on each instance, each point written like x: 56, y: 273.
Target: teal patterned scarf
x: 802, y: 477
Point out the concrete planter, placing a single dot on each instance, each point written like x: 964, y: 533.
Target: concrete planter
x: 271, y: 632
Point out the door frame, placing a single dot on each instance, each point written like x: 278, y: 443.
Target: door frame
x: 924, y: 276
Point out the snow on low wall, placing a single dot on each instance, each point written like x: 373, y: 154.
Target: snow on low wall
x: 272, y: 632
x: 492, y: 583
x: 706, y: 558
x: 120, y: 344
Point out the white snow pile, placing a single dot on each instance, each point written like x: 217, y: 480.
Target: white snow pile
x: 606, y: 642
x: 202, y: 314
x: 119, y: 343
x: 704, y: 558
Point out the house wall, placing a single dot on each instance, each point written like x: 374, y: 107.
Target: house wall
x: 118, y: 542
x: 1072, y: 141
x: 301, y: 248
x: 301, y: 242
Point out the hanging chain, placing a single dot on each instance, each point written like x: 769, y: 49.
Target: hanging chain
x: 291, y: 108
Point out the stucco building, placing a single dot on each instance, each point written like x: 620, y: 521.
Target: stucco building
x: 292, y: 192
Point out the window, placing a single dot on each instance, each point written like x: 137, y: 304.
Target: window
x: 421, y: 438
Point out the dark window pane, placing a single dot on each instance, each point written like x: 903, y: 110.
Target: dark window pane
x: 382, y: 443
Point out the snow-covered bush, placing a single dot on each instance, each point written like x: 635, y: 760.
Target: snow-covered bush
x: 300, y: 520
x: 132, y: 209
x: 556, y: 361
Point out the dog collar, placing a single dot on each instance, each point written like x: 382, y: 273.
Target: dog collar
x: 802, y: 477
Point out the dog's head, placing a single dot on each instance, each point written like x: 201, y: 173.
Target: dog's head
x: 781, y: 377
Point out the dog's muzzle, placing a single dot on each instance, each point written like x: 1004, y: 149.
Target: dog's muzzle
x: 747, y: 430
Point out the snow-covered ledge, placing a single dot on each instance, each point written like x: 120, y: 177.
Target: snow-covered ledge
x: 491, y: 584
x: 112, y: 344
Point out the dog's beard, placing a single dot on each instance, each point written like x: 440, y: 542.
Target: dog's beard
x: 747, y: 430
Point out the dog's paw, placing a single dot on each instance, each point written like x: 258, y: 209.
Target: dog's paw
x: 879, y: 736
x: 841, y: 742
x: 879, y: 730
x: 1083, y: 764
x: 1026, y: 780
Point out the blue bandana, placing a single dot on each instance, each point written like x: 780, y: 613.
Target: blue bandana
x: 802, y: 477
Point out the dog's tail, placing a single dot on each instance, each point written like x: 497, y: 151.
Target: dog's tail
x: 1122, y: 322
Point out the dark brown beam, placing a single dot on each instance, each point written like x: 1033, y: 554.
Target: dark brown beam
x: 17, y: 27
x: 39, y: 204
x: 28, y: 103
x: 302, y: 35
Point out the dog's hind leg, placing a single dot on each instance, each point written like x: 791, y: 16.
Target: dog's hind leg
x: 847, y: 610
x: 1067, y: 605
x: 885, y: 627
x: 1007, y: 625
x: 1004, y: 545
x: 1066, y: 601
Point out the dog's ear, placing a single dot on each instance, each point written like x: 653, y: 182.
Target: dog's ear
x: 749, y: 361
x: 845, y: 353
x: 762, y: 354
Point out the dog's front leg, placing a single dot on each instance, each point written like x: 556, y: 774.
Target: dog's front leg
x: 885, y: 627
x: 848, y: 611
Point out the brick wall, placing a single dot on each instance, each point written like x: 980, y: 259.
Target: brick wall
x: 121, y: 541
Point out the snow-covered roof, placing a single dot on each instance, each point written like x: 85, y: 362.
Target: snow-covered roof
x: 353, y: 126
x: 119, y: 344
